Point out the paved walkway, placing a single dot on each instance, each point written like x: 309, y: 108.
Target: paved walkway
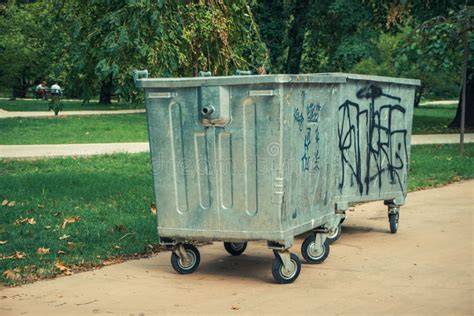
x: 440, y: 139
x: 440, y: 102
x: 32, y: 151
x: 424, y: 269
x: 12, y: 114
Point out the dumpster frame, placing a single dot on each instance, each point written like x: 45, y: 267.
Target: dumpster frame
x: 283, y: 91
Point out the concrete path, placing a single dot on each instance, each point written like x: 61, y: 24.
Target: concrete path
x: 440, y: 102
x: 424, y: 269
x: 12, y: 114
x: 440, y: 139
x: 32, y: 151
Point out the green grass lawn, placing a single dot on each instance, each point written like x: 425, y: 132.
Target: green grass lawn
x: 434, y: 119
x: 132, y: 127
x: 108, y: 199
x: 41, y: 105
x: 74, y: 129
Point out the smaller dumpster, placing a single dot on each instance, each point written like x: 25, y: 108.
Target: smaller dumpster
x: 374, y: 122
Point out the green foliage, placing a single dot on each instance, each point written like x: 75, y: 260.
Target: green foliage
x: 92, y: 44
x: 406, y: 54
x: 22, y: 46
x: 169, y: 38
x: 56, y: 105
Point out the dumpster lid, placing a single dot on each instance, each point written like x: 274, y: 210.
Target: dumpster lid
x: 262, y: 79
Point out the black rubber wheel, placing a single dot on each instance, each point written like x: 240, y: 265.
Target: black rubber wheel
x: 335, y: 236
x: 393, y: 221
x: 180, y: 267
x: 235, y: 248
x: 311, y: 254
x: 281, y: 275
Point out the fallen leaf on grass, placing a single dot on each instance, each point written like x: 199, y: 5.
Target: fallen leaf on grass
x: 26, y: 220
x: 11, y: 203
x: 117, y: 247
x: 9, y: 274
x: 69, y: 220
x: 4, y: 202
x: 47, y: 227
x: 40, y: 205
x: 64, y: 237
x: 3, y: 242
x: 42, y: 251
x: 70, y: 245
x: 61, y: 267
x: 17, y: 255
x: 153, y: 208
x: 60, y: 252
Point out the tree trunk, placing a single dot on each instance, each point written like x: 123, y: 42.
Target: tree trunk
x: 456, y: 123
x: 106, y: 91
x: 19, y: 89
x: 271, y: 17
x: 418, y: 94
x: 296, y: 34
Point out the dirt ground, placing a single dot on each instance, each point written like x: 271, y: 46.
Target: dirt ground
x: 426, y: 268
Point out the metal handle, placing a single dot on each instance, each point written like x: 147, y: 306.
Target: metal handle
x: 243, y: 72
x: 139, y: 74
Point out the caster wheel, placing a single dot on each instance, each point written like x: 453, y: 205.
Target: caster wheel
x: 313, y: 255
x: 186, y: 267
x: 393, y: 221
x: 283, y: 276
x: 235, y: 248
x: 335, y: 236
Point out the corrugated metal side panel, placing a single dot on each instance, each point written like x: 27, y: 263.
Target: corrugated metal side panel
x: 245, y: 199
x: 215, y: 179
x: 180, y: 150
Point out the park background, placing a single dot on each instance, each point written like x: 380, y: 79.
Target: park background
x: 64, y: 215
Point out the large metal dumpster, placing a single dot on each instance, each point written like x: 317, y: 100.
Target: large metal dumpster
x: 374, y: 121
x: 244, y: 158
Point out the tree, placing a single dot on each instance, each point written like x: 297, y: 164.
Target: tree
x: 465, y: 25
x: 296, y: 34
x: 23, y: 53
x: 272, y: 19
x: 170, y: 38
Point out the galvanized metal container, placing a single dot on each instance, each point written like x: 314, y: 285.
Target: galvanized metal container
x: 244, y: 158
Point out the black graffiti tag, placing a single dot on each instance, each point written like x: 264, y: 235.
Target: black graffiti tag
x: 374, y: 155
